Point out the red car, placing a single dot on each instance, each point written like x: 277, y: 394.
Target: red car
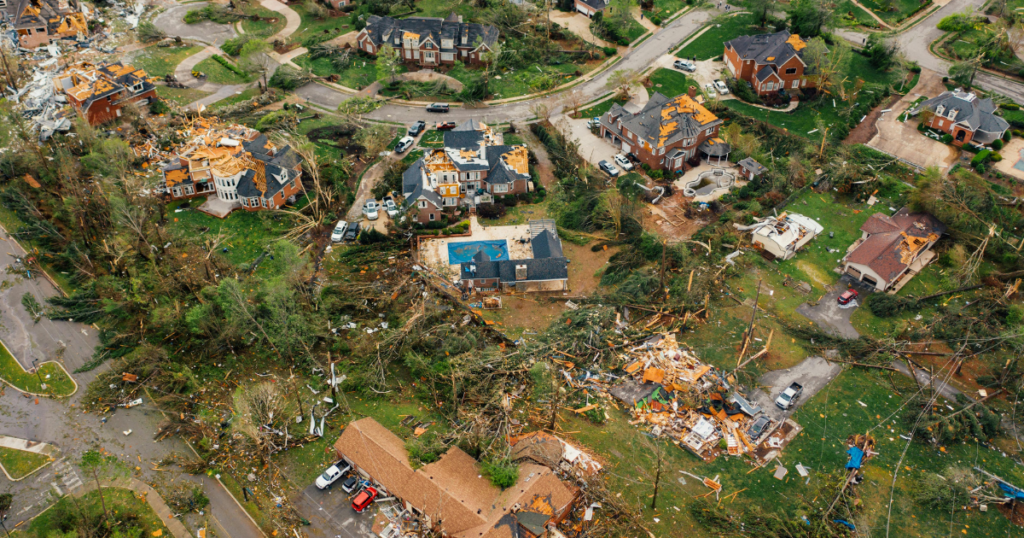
x: 364, y: 499
x: 445, y: 125
x: 848, y: 296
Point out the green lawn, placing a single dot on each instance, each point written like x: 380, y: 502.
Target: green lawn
x: 218, y: 74
x: 19, y: 463
x: 161, y: 61
x: 127, y: 509
x: 432, y: 139
x: 850, y: 14
x: 899, y: 11
x: 666, y: 8
x: 670, y: 83
x: 523, y: 81
x: 250, y: 233
x: 244, y: 95
x: 180, y: 96
x: 441, y: 8
x: 264, y: 28
x: 599, y: 109
x: 312, y: 26
x: 58, y: 382
x: 635, y: 30
x: 710, y: 44
x: 359, y: 75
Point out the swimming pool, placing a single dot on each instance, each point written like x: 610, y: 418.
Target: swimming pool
x: 1019, y: 165
x: 464, y: 251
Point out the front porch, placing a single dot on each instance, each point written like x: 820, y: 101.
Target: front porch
x: 217, y: 207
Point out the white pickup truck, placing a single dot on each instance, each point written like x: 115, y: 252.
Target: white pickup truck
x: 788, y: 396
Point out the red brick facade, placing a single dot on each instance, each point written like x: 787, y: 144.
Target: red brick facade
x: 770, y: 73
x: 108, y: 108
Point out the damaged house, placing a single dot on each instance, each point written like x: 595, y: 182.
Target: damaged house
x: 473, y: 167
x: 99, y: 94
x: 236, y: 167
x: 781, y: 237
x: 548, y: 270
x: 450, y: 495
x: 893, y: 249
x: 40, y: 22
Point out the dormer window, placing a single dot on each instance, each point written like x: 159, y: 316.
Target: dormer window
x: 940, y: 109
x: 952, y: 113
x: 464, y: 38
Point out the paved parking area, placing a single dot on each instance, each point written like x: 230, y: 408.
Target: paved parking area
x: 592, y: 147
x: 829, y: 316
x: 903, y: 140
x: 813, y: 373
x: 330, y: 514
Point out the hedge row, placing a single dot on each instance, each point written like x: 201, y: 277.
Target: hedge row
x: 229, y: 66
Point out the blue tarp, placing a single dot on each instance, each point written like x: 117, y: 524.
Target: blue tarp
x: 844, y: 522
x: 856, y: 455
x: 1011, y: 491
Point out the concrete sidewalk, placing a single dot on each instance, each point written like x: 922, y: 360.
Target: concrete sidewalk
x: 293, y: 19
x: 155, y: 501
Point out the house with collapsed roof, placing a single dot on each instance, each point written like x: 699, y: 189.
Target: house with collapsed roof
x: 99, y: 94
x: 964, y: 116
x: 473, y: 167
x: 893, y: 249
x: 548, y: 270
x: 236, y: 167
x: 429, y: 41
x: 781, y: 237
x: 41, y: 22
x: 667, y: 132
x: 451, y: 495
x: 769, y: 62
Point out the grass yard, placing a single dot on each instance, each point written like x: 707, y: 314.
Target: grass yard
x: 244, y: 95
x: 161, y: 61
x: 19, y: 463
x: 900, y: 9
x: 218, y: 74
x: 264, y: 28
x: 312, y: 26
x: 635, y: 30
x: 433, y: 139
x: 359, y: 75
x: 710, y: 44
x: 522, y: 82
x: 124, y: 506
x: 441, y: 8
x: 670, y: 83
x: 601, y: 108
x: 851, y: 14
x: 666, y: 8
x: 180, y: 96
x: 58, y: 382
x: 252, y: 232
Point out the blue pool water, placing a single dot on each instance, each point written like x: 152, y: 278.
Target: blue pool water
x: 464, y: 251
x: 1020, y: 162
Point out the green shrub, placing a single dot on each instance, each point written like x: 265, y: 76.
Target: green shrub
x: 502, y: 473
x: 981, y: 168
x: 610, y: 51
x: 980, y: 158
x: 997, y: 144
x: 884, y: 305
x: 656, y: 20
x: 1006, y: 136
x: 1010, y: 106
x: 995, y: 157
x: 228, y: 65
x: 947, y: 138
x: 234, y: 45
x: 158, y: 106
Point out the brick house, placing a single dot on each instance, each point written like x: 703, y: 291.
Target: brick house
x: 666, y: 133
x: 451, y: 496
x: 236, y: 166
x: 548, y: 270
x: 428, y: 41
x: 40, y: 22
x: 965, y: 117
x: 590, y: 7
x: 99, y: 93
x: 891, y: 250
x: 472, y: 168
x: 769, y: 62
x: 751, y: 169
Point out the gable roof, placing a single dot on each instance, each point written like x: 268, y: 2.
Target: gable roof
x: 451, y: 490
x: 664, y: 121
x: 894, y: 242
x: 546, y: 245
x: 423, y: 29
x: 773, y: 49
x: 969, y: 111
x: 596, y: 4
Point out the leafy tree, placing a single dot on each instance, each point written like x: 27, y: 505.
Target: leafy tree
x: 102, y: 467
x: 811, y: 18
x: 620, y: 80
x: 883, y: 51
x: 148, y: 32
x: 761, y: 9
x: 958, y: 22
x: 315, y: 9
x: 964, y: 71
x: 826, y: 63
x: 255, y: 58
x: 375, y: 138
x: 620, y: 12
x: 502, y: 473
x: 388, y: 62
x: 629, y: 185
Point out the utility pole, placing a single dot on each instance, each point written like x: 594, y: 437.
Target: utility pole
x: 750, y: 328
x: 661, y: 290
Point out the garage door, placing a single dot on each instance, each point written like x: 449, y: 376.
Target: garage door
x: 626, y: 147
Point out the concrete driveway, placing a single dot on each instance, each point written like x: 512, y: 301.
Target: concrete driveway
x: 813, y: 373
x: 593, y: 148
x: 829, y: 316
x: 170, y: 21
x: 330, y: 514
x: 903, y: 140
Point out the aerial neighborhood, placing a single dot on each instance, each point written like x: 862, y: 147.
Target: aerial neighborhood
x: 588, y: 268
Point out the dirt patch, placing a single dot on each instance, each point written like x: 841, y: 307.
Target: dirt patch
x: 1014, y: 512
x: 669, y: 219
x: 867, y: 129
x: 814, y: 272
x: 584, y: 265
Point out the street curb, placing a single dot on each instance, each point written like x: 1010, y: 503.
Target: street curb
x: 59, y: 365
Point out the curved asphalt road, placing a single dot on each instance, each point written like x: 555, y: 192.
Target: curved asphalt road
x: 637, y: 59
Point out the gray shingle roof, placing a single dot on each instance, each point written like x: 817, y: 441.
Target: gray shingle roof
x: 412, y: 186
x: 975, y: 114
x: 752, y: 166
x: 764, y: 73
x: 505, y: 270
x: 761, y: 47
x: 386, y: 28
x: 546, y: 245
x: 647, y: 124
x: 463, y: 139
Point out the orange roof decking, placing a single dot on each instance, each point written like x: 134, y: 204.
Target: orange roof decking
x: 797, y: 43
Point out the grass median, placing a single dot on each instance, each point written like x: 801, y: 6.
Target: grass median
x: 58, y: 382
x: 20, y: 463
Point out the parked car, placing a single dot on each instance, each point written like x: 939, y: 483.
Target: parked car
x: 352, y: 233
x: 848, y: 296
x: 417, y: 128
x: 364, y: 499
x: 685, y: 65
x: 755, y: 430
x: 404, y: 144
x: 437, y: 107
x: 709, y: 90
x: 623, y: 162
x: 445, y: 125
x: 350, y: 484
x: 339, y: 232
x: 370, y: 209
x: 608, y: 168
x: 331, y: 475
x: 721, y: 87
x: 788, y: 396
x: 390, y: 207
x: 594, y: 122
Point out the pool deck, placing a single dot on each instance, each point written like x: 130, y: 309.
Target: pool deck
x: 434, y: 252
x: 1013, y: 153
x: 680, y: 182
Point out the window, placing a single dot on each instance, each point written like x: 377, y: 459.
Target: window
x: 501, y: 188
x: 423, y: 204
x: 263, y: 202
x: 189, y: 190
x: 447, y: 57
x: 270, y: 204
x: 254, y: 202
x: 245, y: 202
x: 429, y: 55
x: 431, y: 216
x: 447, y: 43
x: 463, y: 54
x: 941, y: 123
x: 661, y: 151
x: 791, y: 71
x: 177, y: 191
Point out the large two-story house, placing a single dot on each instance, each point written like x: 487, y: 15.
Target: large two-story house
x: 666, y: 133
x: 429, y: 41
x: 236, y: 167
x: 472, y: 168
x: 769, y: 62
x: 40, y: 22
x: 965, y: 117
x: 99, y: 93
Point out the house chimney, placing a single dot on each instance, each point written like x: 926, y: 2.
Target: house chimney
x: 692, y: 92
x: 520, y: 272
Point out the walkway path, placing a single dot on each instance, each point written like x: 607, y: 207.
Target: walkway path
x: 155, y: 501
x: 293, y: 19
x: 872, y: 13
x: 643, y: 20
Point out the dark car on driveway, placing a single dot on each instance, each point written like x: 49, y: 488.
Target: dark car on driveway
x: 417, y: 128
x: 350, y: 484
x: 353, y: 232
x: 437, y: 107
